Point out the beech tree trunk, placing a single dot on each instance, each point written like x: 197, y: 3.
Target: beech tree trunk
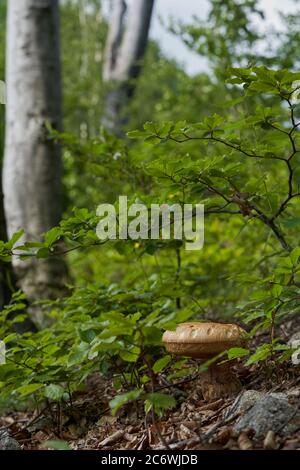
x: 32, y: 164
x: 125, y: 49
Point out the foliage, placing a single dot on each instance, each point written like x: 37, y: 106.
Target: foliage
x: 244, y: 170
x: 260, y: 149
x: 227, y: 36
x: 98, y: 328
x: 237, y: 34
x: 232, y: 145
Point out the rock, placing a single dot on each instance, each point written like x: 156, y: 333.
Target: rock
x: 242, y: 403
x: 270, y: 412
x: 294, y: 342
x: 7, y: 442
x: 294, y: 337
x: 40, y: 424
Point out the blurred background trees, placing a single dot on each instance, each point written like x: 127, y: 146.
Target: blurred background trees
x: 100, y: 162
x: 125, y: 49
x: 229, y: 36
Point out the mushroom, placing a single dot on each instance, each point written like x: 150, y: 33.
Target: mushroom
x: 205, y: 341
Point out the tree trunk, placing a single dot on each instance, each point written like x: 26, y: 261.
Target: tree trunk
x: 125, y: 49
x: 32, y: 164
x: 7, y: 277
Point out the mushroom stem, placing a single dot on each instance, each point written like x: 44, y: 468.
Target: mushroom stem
x: 219, y: 381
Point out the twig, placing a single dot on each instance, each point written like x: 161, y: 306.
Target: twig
x: 112, y: 438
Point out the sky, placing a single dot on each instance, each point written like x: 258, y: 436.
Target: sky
x: 184, y: 10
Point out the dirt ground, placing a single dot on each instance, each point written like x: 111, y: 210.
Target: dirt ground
x: 87, y: 423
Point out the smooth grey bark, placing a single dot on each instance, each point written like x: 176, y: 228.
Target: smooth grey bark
x: 32, y: 163
x: 7, y: 277
x: 114, y: 38
x: 125, y: 49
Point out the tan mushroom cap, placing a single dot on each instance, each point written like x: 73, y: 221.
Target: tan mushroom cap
x: 203, y: 340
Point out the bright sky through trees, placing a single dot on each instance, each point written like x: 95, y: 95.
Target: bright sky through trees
x: 184, y: 10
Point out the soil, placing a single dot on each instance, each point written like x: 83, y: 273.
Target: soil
x: 87, y: 423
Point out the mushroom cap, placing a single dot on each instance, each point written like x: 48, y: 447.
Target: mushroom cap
x: 203, y: 340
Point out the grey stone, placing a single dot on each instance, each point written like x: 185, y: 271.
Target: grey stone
x: 7, y: 442
x: 294, y: 337
x: 40, y: 424
x: 242, y: 403
x: 270, y: 412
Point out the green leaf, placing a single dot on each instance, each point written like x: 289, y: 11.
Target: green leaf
x: 292, y: 222
x: 79, y: 354
x: 52, y: 236
x: 120, y: 400
x: 136, y: 134
x: 87, y: 336
x: 277, y: 290
x: 151, y: 127
x: 10, y: 338
x: 161, y: 363
x: 179, y: 364
x: 16, y: 236
x: 261, y: 354
x: 294, y: 255
x: 235, y: 353
x: 131, y: 355
x: 260, y: 295
x: 43, y: 253
x: 28, y: 389
x: 159, y: 401
x: 152, y: 139
x: 54, y: 392
x: 56, y: 445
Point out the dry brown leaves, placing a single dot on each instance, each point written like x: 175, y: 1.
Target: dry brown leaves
x: 195, y: 424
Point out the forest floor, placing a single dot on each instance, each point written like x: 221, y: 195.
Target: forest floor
x: 265, y: 415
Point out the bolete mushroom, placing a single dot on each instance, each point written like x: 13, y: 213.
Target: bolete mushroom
x: 205, y: 341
